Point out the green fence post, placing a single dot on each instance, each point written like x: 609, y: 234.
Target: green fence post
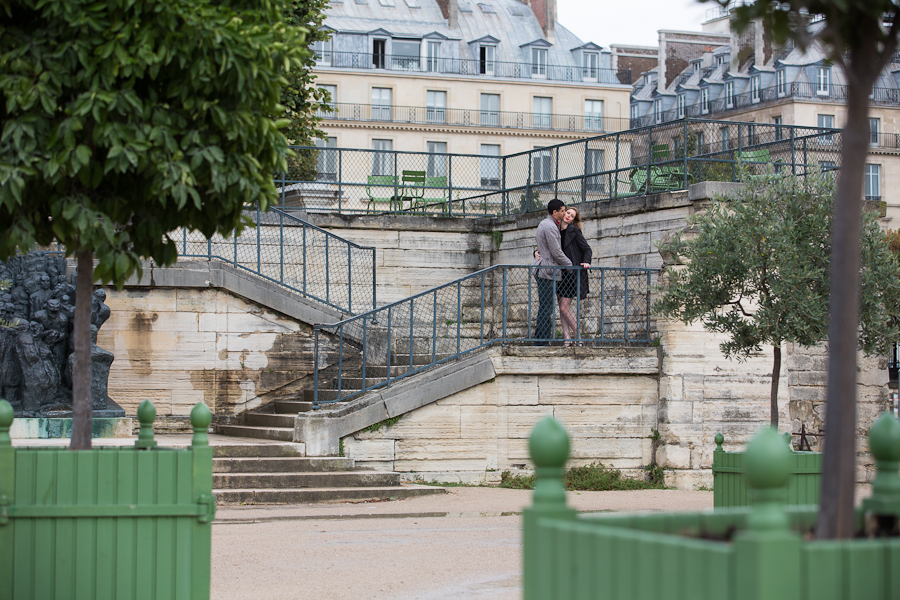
x: 202, y: 493
x: 718, y: 482
x: 549, y: 449
x: 884, y: 444
x: 146, y: 415
x: 7, y: 495
x: 768, y: 552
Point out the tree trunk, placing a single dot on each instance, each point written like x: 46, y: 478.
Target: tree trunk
x: 773, y: 394
x: 835, y: 520
x: 81, y: 372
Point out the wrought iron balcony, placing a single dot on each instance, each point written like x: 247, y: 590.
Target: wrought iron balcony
x: 473, y: 118
x: 462, y: 66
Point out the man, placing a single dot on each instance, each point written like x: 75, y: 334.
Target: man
x: 549, y: 245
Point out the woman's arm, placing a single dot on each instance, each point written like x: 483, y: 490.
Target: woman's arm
x: 586, y: 253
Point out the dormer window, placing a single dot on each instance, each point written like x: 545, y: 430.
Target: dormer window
x: 657, y: 111
x: 590, y: 66
x: 696, y: 67
x: 386, y: 2
x: 635, y: 113
x: 780, y: 83
x: 823, y: 81
x: 721, y: 59
x: 487, y: 9
x: 486, y: 59
x: 322, y: 49
x: 409, y: 3
x: 681, y: 102
x: 405, y: 55
x: 729, y: 94
x: 704, y: 100
x: 754, y: 89
x: 539, y: 63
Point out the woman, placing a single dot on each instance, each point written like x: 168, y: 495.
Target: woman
x: 579, y: 252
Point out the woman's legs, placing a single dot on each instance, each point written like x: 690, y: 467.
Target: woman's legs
x: 566, y: 318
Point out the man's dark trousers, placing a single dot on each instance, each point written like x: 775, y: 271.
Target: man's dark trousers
x: 544, y: 325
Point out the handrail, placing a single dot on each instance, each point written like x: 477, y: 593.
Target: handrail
x: 499, y: 304
x: 464, y: 66
x: 296, y: 255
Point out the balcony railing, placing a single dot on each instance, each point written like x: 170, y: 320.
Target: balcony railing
x: 473, y: 118
x: 462, y: 66
x: 795, y: 91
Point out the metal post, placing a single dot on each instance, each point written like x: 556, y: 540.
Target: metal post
x: 482, y: 310
x: 578, y: 305
x: 734, y: 157
x: 684, y: 150
x: 340, y: 177
x: 396, y: 177
x: 258, y: 247
x: 793, y: 157
x: 304, y: 258
x: 450, y: 185
x: 340, y: 362
x: 556, y: 174
x: 327, y: 273
x: 364, y: 356
x: 283, y: 177
x: 805, y: 159
x: 390, y: 347
x: 531, y: 274
x: 602, y: 302
x: 504, y: 209
x: 235, y: 235
x: 281, y: 248
x: 434, y: 328
x: 616, y: 193
x: 350, y: 278
x: 584, y: 174
x: 648, y: 306
x: 458, y: 314
x: 316, y: 370
x: 626, y: 305
x: 374, y: 303
x: 504, y: 304
x: 649, y: 158
x: 410, y: 334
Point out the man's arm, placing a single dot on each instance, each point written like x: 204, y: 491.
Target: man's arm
x: 554, y: 245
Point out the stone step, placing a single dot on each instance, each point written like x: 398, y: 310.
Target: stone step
x: 277, y: 464
x: 283, y: 434
x: 255, y: 419
x: 327, y: 395
x: 255, y: 451
x: 304, y: 496
x: 292, y: 407
x: 332, y: 479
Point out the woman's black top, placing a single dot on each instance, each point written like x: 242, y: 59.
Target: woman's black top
x: 576, y: 248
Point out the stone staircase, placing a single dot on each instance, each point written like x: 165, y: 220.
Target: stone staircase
x: 275, y: 424
x: 280, y: 474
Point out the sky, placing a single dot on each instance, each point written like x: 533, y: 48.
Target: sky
x: 630, y: 22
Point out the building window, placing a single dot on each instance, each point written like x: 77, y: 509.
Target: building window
x: 635, y: 113
x: 754, y: 89
x: 543, y: 109
x: 486, y: 60
x: 780, y: 83
x: 593, y: 115
x: 378, y: 52
x: 381, y: 104
x: 326, y: 160
x: 382, y: 158
x: 487, y: 9
x: 405, y: 55
x: 490, y: 109
x: 657, y: 111
x: 873, y: 182
x: 590, y: 66
x: 723, y: 134
x: 490, y: 165
x: 386, y: 2
x: 696, y: 66
x: 541, y: 165
x: 322, y: 49
x: 538, y: 63
x: 409, y: 3
x: 681, y: 102
x: 874, y: 131
x: 721, y: 59
x: 729, y: 94
x: 436, y: 106
x: 704, y: 100
x: 437, y: 159
x: 594, y: 163
x: 823, y: 81
x: 433, y: 64
x: 777, y: 122
x: 826, y: 122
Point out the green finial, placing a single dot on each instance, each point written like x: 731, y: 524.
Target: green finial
x: 787, y: 440
x: 768, y: 468
x: 6, y: 419
x: 720, y: 439
x: 200, y: 420
x: 146, y: 415
x: 549, y: 449
x: 884, y: 443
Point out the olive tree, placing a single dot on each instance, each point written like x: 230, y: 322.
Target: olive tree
x: 859, y: 36
x: 123, y: 121
x: 756, y: 268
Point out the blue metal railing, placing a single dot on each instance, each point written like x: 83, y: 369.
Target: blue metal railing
x: 295, y: 255
x: 651, y: 159
x: 500, y: 304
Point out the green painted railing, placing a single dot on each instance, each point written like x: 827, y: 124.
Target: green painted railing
x: 757, y: 553
x: 730, y: 488
x: 104, y: 523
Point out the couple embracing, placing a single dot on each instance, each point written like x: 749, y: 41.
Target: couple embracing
x: 560, y: 243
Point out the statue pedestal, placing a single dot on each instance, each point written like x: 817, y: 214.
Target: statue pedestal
x: 109, y: 422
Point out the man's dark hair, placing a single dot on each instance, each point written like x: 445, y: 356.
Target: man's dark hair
x: 554, y: 205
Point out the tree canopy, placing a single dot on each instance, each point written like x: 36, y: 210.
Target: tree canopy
x: 123, y: 121
x: 756, y: 268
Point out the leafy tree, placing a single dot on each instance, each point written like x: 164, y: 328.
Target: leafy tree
x: 860, y: 36
x: 123, y: 121
x: 758, y: 271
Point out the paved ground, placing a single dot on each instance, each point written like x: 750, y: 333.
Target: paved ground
x: 461, y: 545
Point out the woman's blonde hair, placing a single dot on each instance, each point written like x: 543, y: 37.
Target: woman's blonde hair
x: 577, y: 220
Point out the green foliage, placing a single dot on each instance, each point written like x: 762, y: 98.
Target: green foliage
x: 385, y: 423
x: 498, y: 238
x: 530, y: 200
x: 593, y: 477
x: 758, y: 268
x: 124, y: 121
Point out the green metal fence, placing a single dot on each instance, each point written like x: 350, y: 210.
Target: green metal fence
x: 646, y: 160
x: 106, y: 523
